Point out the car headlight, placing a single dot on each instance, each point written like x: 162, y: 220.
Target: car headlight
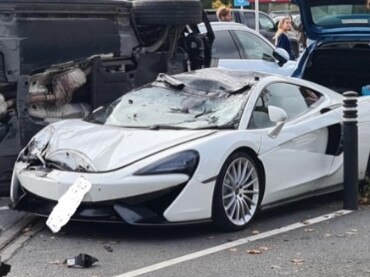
x: 184, y: 162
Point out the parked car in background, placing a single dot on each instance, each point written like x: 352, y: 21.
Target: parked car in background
x: 278, y: 14
x: 267, y: 26
x: 63, y: 59
x: 338, y: 55
x: 205, y: 145
x: 239, y: 47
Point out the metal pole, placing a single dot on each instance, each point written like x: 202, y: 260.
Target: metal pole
x: 350, y: 151
x: 257, y: 15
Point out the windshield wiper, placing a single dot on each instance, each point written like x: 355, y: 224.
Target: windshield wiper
x: 170, y: 81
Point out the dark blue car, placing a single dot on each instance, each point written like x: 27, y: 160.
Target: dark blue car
x: 338, y: 55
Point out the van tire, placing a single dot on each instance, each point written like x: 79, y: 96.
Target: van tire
x: 167, y: 12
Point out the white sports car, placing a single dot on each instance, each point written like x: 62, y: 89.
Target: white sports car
x: 199, y: 146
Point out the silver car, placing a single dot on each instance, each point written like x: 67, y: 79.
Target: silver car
x: 241, y: 48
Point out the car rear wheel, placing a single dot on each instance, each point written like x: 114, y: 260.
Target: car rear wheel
x: 238, y: 192
x: 167, y: 12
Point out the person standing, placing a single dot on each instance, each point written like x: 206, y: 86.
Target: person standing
x: 281, y: 37
x: 224, y: 14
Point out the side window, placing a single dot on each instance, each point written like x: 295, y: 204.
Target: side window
x: 224, y: 46
x: 294, y: 100
x: 249, y: 20
x: 254, y: 47
x: 266, y: 23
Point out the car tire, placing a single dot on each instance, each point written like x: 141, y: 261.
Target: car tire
x: 238, y: 193
x: 167, y: 12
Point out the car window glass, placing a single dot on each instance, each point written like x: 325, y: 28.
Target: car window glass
x: 224, y: 46
x: 254, y: 47
x: 341, y: 14
x: 249, y: 20
x: 294, y: 100
x: 266, y: 23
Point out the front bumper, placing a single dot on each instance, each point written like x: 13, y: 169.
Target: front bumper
x: 143, y: 210
x: 108, y: 186
x: 114, y: 196
x: 174, y: 198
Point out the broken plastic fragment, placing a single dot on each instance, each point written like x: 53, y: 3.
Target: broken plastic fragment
x: 108, y: 248
x: 4, y: 269
x: 81, y: 260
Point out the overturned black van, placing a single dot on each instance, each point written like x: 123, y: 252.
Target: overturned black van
x: 63, y: 59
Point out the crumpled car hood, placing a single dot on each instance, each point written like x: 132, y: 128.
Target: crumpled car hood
x: 106, y: 147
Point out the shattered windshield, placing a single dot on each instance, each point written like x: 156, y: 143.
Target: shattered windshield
x: 163, y: 107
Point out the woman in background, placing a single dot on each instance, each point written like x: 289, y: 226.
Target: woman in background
x: 281, y: 36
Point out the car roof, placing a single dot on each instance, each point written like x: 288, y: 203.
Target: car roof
x: 227, y: 26
x: 222, y: 25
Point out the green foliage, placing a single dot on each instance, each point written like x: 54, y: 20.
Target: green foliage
x: 364, y: 189
x: 207, y: 4
x: 220, y: 3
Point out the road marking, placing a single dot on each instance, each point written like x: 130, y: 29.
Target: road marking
x: 10, y: 234
x: 8, y: 251
x: 232, y: 244
x: 4, y: 208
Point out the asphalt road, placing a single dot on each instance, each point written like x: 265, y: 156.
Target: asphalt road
x: 337, y: 247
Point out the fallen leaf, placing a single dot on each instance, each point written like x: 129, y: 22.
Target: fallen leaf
x: 306, y: 222
x: 297, y: 261
x: 275, y: 267
x: 255, y: 232
x: 233, y: 249
x: 341, y: 236
x: 309, y: 230
x: 327, y: 235
x: 254, y: 251
x: 264, y: 248
x: 108, y: 248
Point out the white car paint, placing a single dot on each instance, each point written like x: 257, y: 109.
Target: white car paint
x: 295, y: 162
x: 258, y: 65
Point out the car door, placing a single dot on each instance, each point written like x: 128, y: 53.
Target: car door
x: 267, y: 27
x: 253, y: 47
x: 297, y: 158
